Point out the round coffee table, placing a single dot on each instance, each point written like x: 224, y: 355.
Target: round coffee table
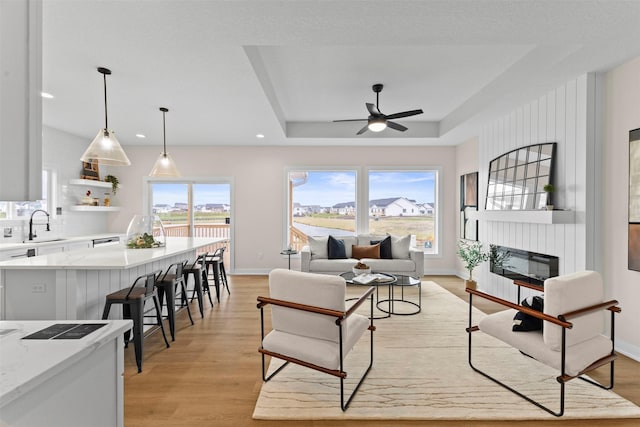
x: 349, y: 275
x: 403, y: 282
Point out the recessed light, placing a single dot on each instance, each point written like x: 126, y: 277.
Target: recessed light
x: 141, y: 136
x: 46, y: 95
x: 259, y: 135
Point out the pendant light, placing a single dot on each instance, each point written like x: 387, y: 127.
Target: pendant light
x: 105, y: 148
x: 165, y: 166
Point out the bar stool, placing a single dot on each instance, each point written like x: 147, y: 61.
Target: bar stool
x: 167, y: 285
x: 201, y: 283
x: 216, y: 262
x: 133, y: 300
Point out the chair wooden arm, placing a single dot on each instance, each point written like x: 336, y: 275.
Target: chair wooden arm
x: 262, y: 301
x: 611, y: 305
x: 521, y: 308
x: 360, y: 301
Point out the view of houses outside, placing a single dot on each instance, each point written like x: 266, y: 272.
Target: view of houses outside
x: 211, y: 203
x: 400, y: 203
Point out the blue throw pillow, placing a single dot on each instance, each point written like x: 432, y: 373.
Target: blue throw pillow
x: 336, y: 248
x: 385, y: 247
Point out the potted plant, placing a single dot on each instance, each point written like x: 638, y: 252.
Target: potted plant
x: 114, y: 183
x: 471, y: 255
x: 549, y: 189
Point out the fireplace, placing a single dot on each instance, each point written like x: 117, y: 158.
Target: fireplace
x: 516, y: 264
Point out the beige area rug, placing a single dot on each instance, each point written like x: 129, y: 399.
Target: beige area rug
x: 420, y: 372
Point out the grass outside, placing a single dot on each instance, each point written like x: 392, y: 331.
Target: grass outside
x: 420, y: 226
x: 199, y: 217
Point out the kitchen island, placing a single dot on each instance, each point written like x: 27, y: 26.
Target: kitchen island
x: 73, y: 285
x: 62, y: 379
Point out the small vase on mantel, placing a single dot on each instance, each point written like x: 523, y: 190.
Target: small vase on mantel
x: 471, y: 284
x: 549, y: 207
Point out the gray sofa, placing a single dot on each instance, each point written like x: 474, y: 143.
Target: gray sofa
x: 405, y: 260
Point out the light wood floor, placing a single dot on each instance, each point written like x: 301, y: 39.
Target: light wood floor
x: 211, y: 374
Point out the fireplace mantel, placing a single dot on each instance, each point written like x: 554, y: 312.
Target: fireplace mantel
x: 531, y: 217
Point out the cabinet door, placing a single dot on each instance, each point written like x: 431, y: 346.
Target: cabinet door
x: 76, y: 246
x: 50, y: 249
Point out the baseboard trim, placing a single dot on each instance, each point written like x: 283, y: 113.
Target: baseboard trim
x: 629, y: 350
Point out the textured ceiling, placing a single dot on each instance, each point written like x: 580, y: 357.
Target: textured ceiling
x: 228, y: 70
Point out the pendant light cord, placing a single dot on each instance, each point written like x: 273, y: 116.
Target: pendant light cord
x: 106, y: 118
x: 164, y: 134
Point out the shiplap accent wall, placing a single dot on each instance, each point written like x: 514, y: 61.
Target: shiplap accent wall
x: 566, y: 116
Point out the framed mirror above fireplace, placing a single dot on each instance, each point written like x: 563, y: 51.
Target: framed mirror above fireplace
x: 517, y: 178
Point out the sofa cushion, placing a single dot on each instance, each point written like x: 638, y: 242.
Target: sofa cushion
x: 385, y: 247
x: 570, y: 292
x: 319, y: 247
x: 366, y: 251
x: 349, y: 241
x: 391, y: 265
x: 578, y: 356
x: 336, y: 249
x: 400, y: 246
x: 332, y: 265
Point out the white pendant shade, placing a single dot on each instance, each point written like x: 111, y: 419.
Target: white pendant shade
x: 165, y: 167
x: 106, y: 150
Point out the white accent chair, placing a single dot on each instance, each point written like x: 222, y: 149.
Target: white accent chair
x: 311, y: 325
x: 571, y: 340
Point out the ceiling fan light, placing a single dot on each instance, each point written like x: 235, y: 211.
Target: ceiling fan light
x: 106, y: 150
x: 377, y: 125
x: 165, y: 167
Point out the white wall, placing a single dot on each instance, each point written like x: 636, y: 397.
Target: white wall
x: 259, y: 191
x: 466, y: 162
x: 623, y: 115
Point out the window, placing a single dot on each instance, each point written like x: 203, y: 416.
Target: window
x: 192, y: 209
x: 321, y: 202
x: 404, y: 202
x: 400, y: 202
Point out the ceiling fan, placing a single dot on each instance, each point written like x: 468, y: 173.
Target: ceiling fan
x: 377, y: 122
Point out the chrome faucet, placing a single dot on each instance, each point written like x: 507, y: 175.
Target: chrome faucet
x: 31, y: 233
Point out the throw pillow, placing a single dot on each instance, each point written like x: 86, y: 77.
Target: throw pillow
x: 523, y: 322
x: 367, y: 251
x: 336, y: 248
x: 400, y: 246
x: 318, y: 246
x: 385, y: 247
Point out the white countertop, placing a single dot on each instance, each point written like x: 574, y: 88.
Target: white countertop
x: 116, y: 257
x: 25, y: 364
x: 57, y: 241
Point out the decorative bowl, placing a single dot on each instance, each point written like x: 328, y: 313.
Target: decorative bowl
x: 357, y: 271
x: 144, y: 232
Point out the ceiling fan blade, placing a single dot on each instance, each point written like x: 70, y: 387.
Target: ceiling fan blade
x: 404, y: 114
x: 351, y: 120
x: 363, y: 130
x: 373, y: 110
x: 396, y: 126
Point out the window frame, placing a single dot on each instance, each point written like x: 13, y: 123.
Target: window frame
x: 362, y: 197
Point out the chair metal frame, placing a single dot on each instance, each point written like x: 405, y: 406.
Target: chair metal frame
x: 341, y: 317
x: 562, y: 321
x: 133, y: 308
x: 166, y: 284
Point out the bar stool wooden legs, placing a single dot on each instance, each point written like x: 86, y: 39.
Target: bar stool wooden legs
x: 132, y: 300
x: 166, y: 285
x: 201, y: 283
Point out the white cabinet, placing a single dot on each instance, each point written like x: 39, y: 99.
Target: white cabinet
x: 76, y: 246
x: 20, y: 103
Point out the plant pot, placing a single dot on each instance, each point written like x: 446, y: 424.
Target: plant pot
x: 471, y: 284
x: 549, y: 207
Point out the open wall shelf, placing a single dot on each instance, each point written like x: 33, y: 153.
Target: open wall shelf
x: 531, y: 217
x: 87, y: 208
